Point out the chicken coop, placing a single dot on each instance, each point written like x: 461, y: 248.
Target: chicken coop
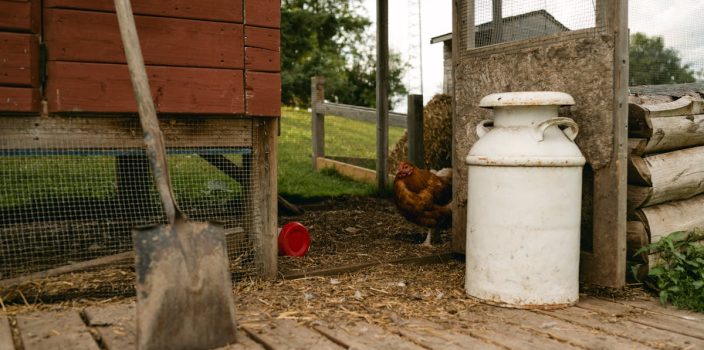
x: 577, y: 47
x: 74, y: 176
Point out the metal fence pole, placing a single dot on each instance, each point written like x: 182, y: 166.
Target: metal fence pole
x: 317, y: 97
x: 382, y: 92
x: 415, y: 130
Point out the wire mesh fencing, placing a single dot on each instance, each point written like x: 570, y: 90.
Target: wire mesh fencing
x: 667, y: 42
x: 66, y: 202
x: 502, y: 21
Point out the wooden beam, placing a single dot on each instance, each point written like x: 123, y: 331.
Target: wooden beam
x: 497, y: 22
x: 75, y: 267
x: 57, y: 132
x: 317, y: 97
x: 360, y: 113
x: 429, y: 259
x: 266, y: 153
x: 459, y: 217
x: 382, y: 92
x: 415, y: 130
x: 606, y: 265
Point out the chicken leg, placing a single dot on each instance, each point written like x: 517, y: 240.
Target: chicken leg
x: 428, y: 239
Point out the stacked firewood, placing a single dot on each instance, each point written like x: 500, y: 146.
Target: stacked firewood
x: 665, y: 170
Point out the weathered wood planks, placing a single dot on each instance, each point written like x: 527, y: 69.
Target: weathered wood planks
x: 286, y: 334
x: 176, y: 35
x: 92, y: 87
x: 636, y: 332
x: 669, y: 323
x: 64, y: 330
x: 593, y: 324
x: 263, y: 93
x: 164, y: 41
x: 362, y: 335
x: 15, y: 16
x: 19, y: 56
x: 262, y: 13
x: 115, y: 324
x: 18, y: 99
x: 215, y: 10
x: 19, y: 59
x: 6, y: 342
x: 119, y: 132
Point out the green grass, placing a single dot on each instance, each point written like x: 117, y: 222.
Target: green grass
x: 343, y: 137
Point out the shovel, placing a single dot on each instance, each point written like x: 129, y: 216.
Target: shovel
x: 184, y: 291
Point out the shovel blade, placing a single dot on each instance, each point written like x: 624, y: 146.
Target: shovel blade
x: 184, y: 290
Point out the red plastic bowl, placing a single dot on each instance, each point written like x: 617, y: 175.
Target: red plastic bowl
x: 294, y: 239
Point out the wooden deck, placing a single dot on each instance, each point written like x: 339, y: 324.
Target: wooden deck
x: 593, y: 324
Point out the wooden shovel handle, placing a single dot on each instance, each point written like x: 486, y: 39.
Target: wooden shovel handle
x: 153, y: 138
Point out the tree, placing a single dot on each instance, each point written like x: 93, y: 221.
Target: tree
x: 330, y: 38
x: 653, y: 64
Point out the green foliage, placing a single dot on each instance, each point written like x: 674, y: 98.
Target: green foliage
x: 679, y: 274
x: 653, y: 64
x: 330, y: 38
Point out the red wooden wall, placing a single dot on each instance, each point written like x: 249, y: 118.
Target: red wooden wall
x: 19, y: 55
x: 203, y: 57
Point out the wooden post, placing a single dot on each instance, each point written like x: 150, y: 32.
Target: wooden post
x: 267, y: 199
x: 317, y: 96
x: 497, y: 23
x: 469, y: 30
x: 415, y: 130
x: 606, y: 264
x: 382, y: 92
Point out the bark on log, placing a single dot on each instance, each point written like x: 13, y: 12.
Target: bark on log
x: 668, y: 126
x: 666, y: 176
x: 636, y: 146
x: 636, y: 238
x: 664, y: 219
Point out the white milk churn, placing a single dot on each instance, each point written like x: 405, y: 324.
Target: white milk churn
x: 524, y: 203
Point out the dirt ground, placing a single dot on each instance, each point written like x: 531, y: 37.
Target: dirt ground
x: 358, y: 230
x: 344, y: 232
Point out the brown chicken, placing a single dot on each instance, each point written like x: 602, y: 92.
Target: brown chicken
x: 424, y: 197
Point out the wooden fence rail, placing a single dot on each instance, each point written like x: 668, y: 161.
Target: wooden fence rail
x: 413, y: 121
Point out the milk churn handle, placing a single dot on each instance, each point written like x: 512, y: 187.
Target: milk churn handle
x: 571, y: 131
x: 482, y: 128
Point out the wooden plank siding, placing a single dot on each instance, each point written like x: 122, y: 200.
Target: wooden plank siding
x: 94, y: 87
x: 263, y: 13
x: 211, y: 10
x: 19, y: 59
x: 15, y: 16
x: 164, y: 41
x: 19, y: 56
x: 19, y: 99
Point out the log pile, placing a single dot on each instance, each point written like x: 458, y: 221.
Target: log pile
x: 666, y: 168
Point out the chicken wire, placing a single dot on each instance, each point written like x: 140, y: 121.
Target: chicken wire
x: 672, y: 50
x: 501, y: 21
x: 354, y: 141
x: 65, y: 204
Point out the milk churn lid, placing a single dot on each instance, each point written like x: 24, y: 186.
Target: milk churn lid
x: 526, y: 98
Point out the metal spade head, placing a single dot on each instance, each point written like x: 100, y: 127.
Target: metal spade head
x: 184, y: 291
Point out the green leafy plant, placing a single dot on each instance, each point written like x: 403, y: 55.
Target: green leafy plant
x: 678, y: 275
